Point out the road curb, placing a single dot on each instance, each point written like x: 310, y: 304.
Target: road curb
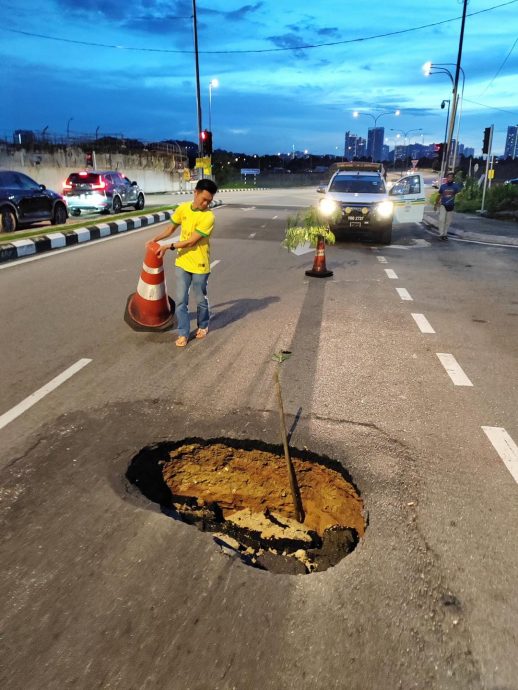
x: 17, y: 249
x: 474, y: 236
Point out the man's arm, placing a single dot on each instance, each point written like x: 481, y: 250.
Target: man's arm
x: 193, y: 239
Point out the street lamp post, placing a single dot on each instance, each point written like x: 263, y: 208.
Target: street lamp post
x: 68, y: 129
x: 214, y: 83
x: 357, y: 113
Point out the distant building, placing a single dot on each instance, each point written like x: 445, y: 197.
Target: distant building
x: 384, y: 152
x: 350, y: 146
x: 468, y: 152
x: 375, y: 139
x: 25, y: 137
x: 511, y: 146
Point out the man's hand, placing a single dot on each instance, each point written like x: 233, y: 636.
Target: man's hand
x: 160, y: 252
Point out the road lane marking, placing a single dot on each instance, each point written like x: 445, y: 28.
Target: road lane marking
x: 32, y: 399
x: 505, y: 447
x: 453, y: 369
x: 404, y: 294
x: 391, y: 274
x: 214, y: 263
x: 382, y: 259
x: 423, y: 323
x: 252, y: 234
x: 274, y: 217
x: 263, y: 226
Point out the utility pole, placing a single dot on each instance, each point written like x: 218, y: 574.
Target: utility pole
x: 456, y: 87
x: 487, y: 168
x: 197, y: 63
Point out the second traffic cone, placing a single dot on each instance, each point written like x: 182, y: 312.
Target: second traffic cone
x: 150, y: 308
x: 319, y: 269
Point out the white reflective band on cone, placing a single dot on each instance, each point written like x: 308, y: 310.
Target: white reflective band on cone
x: 150, y: 292
x: 153, y: 271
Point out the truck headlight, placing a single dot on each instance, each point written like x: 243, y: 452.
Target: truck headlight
x: 328, y: 207
x: 385, y: 209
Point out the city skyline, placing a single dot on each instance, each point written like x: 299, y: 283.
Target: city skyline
x: 289, y: 77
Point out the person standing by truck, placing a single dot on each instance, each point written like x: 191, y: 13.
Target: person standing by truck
x: 446, y: 203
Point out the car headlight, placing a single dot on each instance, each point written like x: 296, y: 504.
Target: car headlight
x: 385, y: 209
x: 328, y: 207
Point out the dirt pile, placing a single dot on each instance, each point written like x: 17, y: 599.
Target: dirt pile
x: 244, y: 493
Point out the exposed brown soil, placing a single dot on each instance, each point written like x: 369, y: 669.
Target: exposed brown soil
x: 236, y: 478
x: 250, y: 490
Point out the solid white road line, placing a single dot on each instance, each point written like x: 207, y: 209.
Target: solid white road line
x: 453, y: 369
x: 404, y: 294
x: 31, y: 400
x: 423, y: 323
x: 214, y: 263
x: 505, y: 447
x: 252, y: 234
x: 382, y: 259
x: 391, y: 274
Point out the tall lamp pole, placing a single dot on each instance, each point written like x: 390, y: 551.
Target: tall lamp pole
x: 197, y: 65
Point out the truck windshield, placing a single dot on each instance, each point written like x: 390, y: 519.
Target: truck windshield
x: 357, y: 184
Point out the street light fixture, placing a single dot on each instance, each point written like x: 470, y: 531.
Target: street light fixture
x: 430, y: 68
x: 214, y: 83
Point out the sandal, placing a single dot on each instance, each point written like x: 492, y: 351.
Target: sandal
x: 201, y: 333
x: 181, y: 341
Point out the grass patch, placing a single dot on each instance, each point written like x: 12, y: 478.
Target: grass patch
x: 99, y: 219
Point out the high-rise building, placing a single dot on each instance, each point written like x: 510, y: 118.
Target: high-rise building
x: 511, y: 145
x: 350, y: 146
x: 375, y: 139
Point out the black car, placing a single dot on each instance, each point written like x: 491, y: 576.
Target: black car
x: 23, y: 201
x: 101, y: 191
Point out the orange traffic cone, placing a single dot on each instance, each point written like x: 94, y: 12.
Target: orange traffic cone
x: 319, y: 269
x: 150, y: 308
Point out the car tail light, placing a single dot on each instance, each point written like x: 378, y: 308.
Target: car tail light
x: 101, y: 185
x: 83, y: 173
x: 67, y: 185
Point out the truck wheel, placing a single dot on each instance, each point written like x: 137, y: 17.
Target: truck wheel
x: 385, y: 236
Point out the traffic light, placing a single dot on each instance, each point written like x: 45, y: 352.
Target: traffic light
x: 487, y: 137
x: 206, y: 142
x: 439, y: 150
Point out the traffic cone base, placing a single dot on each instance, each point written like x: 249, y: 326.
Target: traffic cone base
x: 319, y: 269
x: 150, y: 308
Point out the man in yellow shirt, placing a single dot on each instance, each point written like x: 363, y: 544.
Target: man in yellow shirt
x: 193, y: 260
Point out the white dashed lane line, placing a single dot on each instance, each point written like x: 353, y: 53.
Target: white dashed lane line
x: 252, y: 234
x: 505, y: 447
x: 382, y: 259
x: 215, y: 263
x: 453, y: 369
x: 423, y: 323
x: 32, y: 399
x: 404, y: 294
x: 391, y: 274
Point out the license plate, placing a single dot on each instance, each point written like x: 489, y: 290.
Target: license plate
x: 355, y: 218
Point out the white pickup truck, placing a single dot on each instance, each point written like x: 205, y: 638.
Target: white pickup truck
x: 360, y: 192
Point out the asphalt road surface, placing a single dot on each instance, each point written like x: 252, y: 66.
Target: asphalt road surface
x: 404, y: 369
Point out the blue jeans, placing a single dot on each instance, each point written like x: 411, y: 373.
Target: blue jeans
x: 199, y: 281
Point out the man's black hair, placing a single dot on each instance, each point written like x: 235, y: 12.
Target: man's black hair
x: 207, y: 186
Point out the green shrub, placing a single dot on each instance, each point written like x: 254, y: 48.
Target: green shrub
x: 502, y: 197
x: 470, y: 198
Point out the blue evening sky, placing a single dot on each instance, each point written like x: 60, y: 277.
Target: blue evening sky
x: 291, y: 72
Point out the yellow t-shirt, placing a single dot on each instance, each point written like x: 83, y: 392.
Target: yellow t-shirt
x: 194, y: 259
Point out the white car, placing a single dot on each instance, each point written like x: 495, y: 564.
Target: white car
x: 358, y: 190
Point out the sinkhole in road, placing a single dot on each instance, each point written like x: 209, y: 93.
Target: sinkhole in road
x: 239, y: 492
